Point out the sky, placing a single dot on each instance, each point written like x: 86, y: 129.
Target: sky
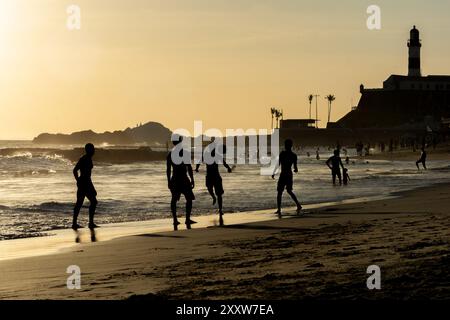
x: 224, y: 62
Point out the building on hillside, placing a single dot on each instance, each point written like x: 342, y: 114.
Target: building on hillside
x: 412, y: 101
x: 408, y: 107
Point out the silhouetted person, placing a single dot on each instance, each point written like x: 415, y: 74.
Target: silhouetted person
x: 214, y: 180
x: 345, y: 176
x: 317, y: 154
x: 334, y: 163
x: 179, y: 183
x: 367, y: 149
x: 422, y: 159
x: 347, y: 160
x: 359, y: 148
x: 287, y: 160
x: 85, y: 187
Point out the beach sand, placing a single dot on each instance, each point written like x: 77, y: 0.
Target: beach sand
x: 322, y: 255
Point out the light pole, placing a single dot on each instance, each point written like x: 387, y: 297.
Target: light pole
x: 317, y: 117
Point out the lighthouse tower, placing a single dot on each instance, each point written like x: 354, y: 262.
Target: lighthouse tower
x: 414, y: 53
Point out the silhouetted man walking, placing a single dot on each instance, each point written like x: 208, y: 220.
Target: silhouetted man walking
x: 214, y: 180
x: 287, y: 159
x: 179, y: 183
x: 334, y: 163
x: 422, y: 159
x: 85, y: 187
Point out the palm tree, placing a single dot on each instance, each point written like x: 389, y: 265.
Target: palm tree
x: 278, y: 115
x: 272, y: 112
x: 330, y: 99
x: 310, y: 98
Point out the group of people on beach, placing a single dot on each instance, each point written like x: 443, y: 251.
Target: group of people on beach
x: 180, y: 180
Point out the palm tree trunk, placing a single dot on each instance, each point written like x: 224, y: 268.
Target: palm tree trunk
x: 329, y: 117
x: 329, y: 103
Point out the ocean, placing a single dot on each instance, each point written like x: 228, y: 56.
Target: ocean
x: 37, y: 191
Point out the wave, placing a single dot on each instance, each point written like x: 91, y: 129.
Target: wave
x: 45, y: 207
x: 27, y: 155
x: 103, y: 155
x: 26, y: 173
x: 22, y: 157
x: 441, y: 169
x: 27, y: 166
x: 396, y: 172
x: 52, y: 206
x: 109, y: 206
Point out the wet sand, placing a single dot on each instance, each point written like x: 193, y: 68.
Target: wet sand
x: 322, y: 255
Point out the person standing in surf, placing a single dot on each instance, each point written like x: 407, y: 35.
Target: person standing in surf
x: 334, y: 163
x: 213, y: 178
x: 286, y: 161
x: 178, y: 169
x: 85, y: 186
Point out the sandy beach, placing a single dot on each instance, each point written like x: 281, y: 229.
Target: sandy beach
x: 322, y: 255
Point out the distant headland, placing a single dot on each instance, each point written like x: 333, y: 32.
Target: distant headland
x: 150, y: 133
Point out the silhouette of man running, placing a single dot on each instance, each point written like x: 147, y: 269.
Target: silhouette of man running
x: 287, y: 159
x: 422, y: 159
x: 214, y: 180
x: 179, y: 183
x: 334, y: 163
x: 85, y: 187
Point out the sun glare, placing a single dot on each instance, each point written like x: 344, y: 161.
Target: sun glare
x: 8, y: 16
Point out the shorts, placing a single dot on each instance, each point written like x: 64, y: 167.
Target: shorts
x: 86, y: 189
x: 181, y: 187
x: 336, y: 172
x: 285, y: 181
x: 215, y: 182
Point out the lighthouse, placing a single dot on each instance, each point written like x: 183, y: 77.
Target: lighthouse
x: 414, y: 53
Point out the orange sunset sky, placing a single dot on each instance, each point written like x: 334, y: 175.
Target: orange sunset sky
x: 224, y: 62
